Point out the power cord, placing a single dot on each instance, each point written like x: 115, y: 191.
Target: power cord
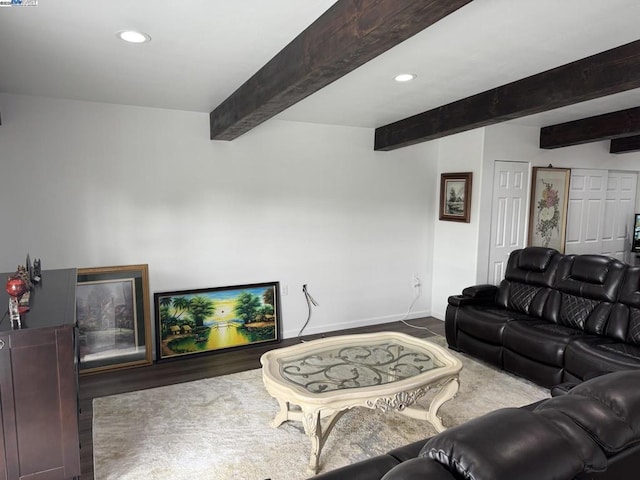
x: 310, y: 300
x: 404, y: 320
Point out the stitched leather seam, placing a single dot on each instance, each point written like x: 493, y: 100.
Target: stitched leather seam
x: 451, y: 461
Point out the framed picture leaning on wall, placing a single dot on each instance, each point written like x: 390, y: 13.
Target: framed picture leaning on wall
x: 206, y: 320
x: 548, y: 212
x: 112, y: 311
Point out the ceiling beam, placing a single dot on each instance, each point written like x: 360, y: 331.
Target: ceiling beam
x: 625, y: 144
x: 605, y: 73
x: 592, y: 129
x: 346, y: 36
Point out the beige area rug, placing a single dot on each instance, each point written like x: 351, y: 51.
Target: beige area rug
x: 218, y: 428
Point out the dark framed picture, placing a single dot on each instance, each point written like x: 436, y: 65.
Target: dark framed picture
x: 455, y: 196
x: 549, y: 203
x: 112, y: 312
x: 201, y: 321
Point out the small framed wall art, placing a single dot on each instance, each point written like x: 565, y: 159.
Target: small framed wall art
x: 112, y: 312
x: 549, y: 201
x: 190, y: 322
x: 455, y: 196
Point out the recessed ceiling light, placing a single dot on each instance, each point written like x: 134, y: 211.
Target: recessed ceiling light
x: 405, y: 77
x: 133, y: 36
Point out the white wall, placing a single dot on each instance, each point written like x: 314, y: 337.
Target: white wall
x: 456, y: 243
x: 87, y: 185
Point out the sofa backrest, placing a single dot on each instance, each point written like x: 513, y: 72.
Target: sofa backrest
x: 624, y: 321
x: 529, y: 275
x: 584, y: 290
x: 607, y: 407
x: 562, y: 437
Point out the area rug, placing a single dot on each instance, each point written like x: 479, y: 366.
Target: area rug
x: 219, y: 428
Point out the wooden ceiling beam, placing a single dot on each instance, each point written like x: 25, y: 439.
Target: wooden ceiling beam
x: 592, y: 129
x: 625, y: 144
x: 346, y: 36
x: 605, y: 73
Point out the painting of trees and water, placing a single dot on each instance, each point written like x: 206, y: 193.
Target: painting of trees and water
x: 200, y: 321
x: 455, y: 196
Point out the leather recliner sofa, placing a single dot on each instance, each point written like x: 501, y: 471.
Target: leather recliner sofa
x: 590, y: 433
x: 554, y: 318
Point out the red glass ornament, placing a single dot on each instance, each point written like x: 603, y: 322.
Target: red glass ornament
x: 16, y: 286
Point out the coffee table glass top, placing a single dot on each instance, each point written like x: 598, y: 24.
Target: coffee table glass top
x: 357, y: 366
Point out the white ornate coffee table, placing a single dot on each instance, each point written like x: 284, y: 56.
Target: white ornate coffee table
x: 326, y: 377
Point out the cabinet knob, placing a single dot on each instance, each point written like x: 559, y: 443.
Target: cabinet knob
x: 1, y: 344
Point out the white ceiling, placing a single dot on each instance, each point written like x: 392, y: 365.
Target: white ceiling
x: 202, y: 50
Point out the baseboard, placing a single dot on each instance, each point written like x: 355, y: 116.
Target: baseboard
x: 363, y: 322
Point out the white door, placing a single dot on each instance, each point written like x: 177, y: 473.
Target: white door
x: 600, y: 216
x: 509, y: 215
x: 585, y: 215
x: 619, y: 208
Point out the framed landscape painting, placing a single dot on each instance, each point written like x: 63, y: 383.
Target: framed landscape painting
x: 548, y: 213
x: 455, y: 196
x: 201, y: 321
x: 112, y: 312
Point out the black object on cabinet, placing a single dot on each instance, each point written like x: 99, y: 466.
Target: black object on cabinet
x: 39, y: 384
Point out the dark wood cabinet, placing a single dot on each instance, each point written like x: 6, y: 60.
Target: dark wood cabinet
x: 39, y: 385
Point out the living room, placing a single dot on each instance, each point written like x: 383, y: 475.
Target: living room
x: 102, y: 181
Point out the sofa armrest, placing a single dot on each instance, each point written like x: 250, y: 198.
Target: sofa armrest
x: 484, y: 291
x: 565, y: 387
x: 476, y: 295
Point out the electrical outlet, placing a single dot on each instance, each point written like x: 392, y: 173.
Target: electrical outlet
x: 416, y: 283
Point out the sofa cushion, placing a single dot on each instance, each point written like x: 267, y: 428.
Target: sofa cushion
x: 604, y: 426
x: 539, y: 340
x: 624, y: 324
x: 618, y: 390
x: 485, y: 323
x: 589, y: 354
x: 533, y: 265
x: 522, y: 297
x: 583, y: 313
x: 594, y: 277
x: 630, y: 290
x: 535, y: 259
x: 513, y: 443
x: 534, y: 370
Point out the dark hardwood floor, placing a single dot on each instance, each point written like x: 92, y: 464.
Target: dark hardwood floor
x: 196, y: 368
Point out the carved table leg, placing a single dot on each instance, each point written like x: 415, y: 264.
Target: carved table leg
x: 282, y: 415
x: 448, y: 391
x: 318, y: 433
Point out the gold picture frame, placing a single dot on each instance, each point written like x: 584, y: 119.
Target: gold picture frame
x: 113, y: 316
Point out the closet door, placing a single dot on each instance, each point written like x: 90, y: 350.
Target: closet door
x: 619, y: 208
x: 585, y: 215
x: 600, y: 213
x: 509, y: 214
